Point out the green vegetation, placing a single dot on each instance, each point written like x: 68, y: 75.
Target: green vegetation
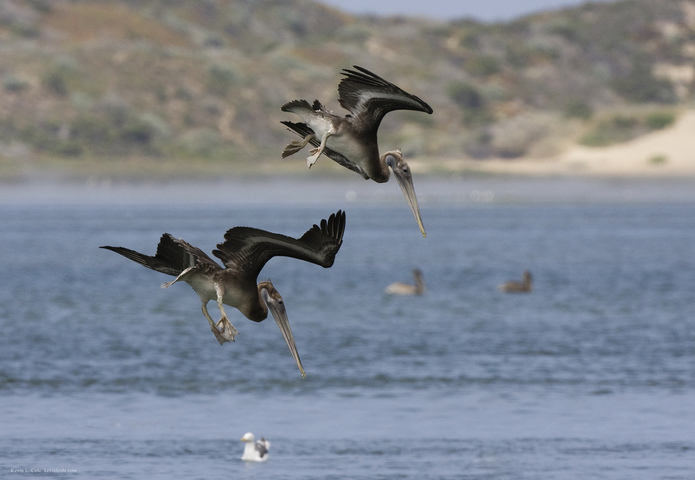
x: 619, y: 127
x: 471, y: 102
x: 221, y: 79
x: 659, y: 120
x: 641, y: 86
x: 578, y: 109
x: 658, y: 159
x: 483, y: 65
x: 10, y: 83
x: 614, y: 129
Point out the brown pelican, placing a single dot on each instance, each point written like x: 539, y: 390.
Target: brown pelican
x: 244, y: 253
x: 255, y: 451
x: 351, y: 141
x: 513, y: 286
x: 399, y: 288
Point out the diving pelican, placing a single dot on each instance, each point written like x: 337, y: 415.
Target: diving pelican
x: 513, y: 286
x: 255, y: 451
x: 351, y: 141
x: 399, y: 288
x: 244, y: 253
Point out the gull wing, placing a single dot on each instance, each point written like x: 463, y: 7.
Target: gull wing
x: 368, y: 97
x: 247, y: 249
x: 261, y: 448
x: 302, y: 129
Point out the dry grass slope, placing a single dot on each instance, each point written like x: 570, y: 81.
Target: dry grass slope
x: 102, y: 85
x: 78, y: 23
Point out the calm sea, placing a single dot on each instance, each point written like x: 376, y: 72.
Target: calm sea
x: 103, y: 374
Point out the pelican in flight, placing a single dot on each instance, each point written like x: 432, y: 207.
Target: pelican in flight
x: 244, y: 252
x: 399, y: 288
x: 255, y: 450
x: 351, y: 141
x: 513, y: 286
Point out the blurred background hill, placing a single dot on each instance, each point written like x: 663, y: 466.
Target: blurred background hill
x: 138, y: 88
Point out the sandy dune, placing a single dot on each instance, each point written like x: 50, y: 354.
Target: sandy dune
x: 664, y: 153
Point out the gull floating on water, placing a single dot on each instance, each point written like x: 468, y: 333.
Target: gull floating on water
x: 255, y: 451
x: 351, y: 141
x: 244, y: 253
x: 513, y: 286
x: 399, y: 288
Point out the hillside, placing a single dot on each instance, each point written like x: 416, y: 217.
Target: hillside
x: 158, y: 87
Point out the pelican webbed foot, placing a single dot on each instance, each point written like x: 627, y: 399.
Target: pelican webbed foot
x: 224, y: 331
x: 316, y: 152
x: 294, y: 146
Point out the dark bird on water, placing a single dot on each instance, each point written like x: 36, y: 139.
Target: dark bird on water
x: 513, y: 286
x: 351, y: 141
x: 244, y: 252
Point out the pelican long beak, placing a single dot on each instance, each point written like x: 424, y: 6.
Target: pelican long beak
x: 280, y: 316
x: 405, y: 181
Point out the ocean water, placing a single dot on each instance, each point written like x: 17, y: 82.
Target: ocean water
x: 103, y: 374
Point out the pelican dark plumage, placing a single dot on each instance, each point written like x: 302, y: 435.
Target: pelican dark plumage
x: 524, y: 286
x: 351, y: 141
x: 244, y: 252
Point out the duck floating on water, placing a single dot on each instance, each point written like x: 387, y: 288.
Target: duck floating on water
x: 399, y: 288
x: 513, y: 286
x: 351, y: 141
x: 244, y: 253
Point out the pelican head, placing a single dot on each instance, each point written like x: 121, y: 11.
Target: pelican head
x: 395, y: 161
x: 271, y: 297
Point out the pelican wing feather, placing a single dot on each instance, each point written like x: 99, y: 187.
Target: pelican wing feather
x: 297, y: 106
x: 369, y: 97
x: 302, y: 129
x: 247, y: 249
x: 173, y: 256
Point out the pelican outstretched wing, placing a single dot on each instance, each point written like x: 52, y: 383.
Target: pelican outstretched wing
x: 302, y: 129
x: 365, y: 94
x: 173, y: 256
x: 247, y: 249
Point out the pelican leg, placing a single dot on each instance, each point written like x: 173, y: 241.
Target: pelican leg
x: 294, y: 146
x: 316, y: 152
x: 224, y: 331
x: 227, y: 329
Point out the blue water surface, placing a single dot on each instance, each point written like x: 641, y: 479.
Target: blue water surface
x: 103, y: 374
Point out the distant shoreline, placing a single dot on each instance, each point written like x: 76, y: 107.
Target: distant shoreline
x: 667, y: 153
x: 344, y: 192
